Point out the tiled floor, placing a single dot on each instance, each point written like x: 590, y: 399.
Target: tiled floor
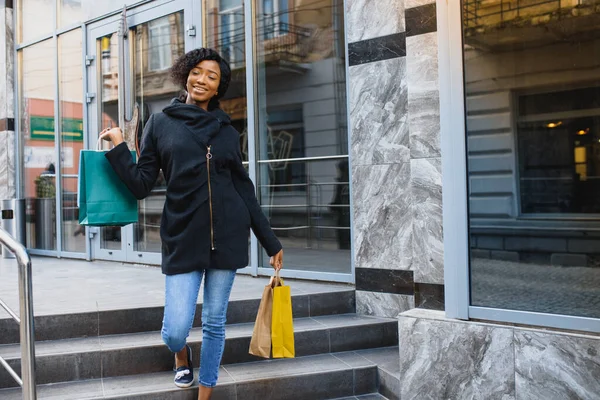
x: 63, y: 286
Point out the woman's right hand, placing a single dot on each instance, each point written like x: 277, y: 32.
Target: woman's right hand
x: 277, y: 260
x: 114, y: 135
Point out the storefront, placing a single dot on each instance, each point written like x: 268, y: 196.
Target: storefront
x: 101, y: 66
x: 463, y: 138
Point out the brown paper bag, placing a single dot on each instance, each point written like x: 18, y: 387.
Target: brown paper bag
x: 260, y: 344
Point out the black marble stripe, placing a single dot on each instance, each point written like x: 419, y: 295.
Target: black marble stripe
x: 7, y: 124
x: 429, y: 296
x: 377, y: 49
x: 384, y: 281
x: 420, y: 20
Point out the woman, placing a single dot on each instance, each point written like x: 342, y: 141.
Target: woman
x: 209, y: 209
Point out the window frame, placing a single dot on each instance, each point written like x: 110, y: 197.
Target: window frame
x: 455, y: 189
x: 157, y: 26
x: 230, y: 14
x: 594, y: 218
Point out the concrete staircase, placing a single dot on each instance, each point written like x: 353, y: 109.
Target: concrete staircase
x: 120, y: 355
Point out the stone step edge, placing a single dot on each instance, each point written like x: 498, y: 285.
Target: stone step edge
x: 143, y: 319
x: 221, y: 388
x: 245, y: 332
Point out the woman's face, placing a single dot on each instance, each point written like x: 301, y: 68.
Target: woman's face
x: 203, y: 83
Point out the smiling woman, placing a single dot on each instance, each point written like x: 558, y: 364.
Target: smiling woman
x: 201, y: 238
x: 205, y: 82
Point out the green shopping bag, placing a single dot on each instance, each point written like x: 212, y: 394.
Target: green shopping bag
x: 103, y: 199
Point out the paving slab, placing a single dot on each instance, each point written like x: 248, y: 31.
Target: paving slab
x: 65, y: 286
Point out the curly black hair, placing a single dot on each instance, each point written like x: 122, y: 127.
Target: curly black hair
x: 184, y: 64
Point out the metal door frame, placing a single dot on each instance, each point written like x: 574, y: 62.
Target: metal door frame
x: 135, y: 16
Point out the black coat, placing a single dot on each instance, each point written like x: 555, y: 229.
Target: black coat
x: 177, y: 142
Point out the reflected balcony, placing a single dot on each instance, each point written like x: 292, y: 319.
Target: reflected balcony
x: 498, y: 25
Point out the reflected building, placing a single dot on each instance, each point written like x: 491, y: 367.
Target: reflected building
x: 532, y: 88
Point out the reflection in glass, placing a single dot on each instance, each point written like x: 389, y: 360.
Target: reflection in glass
x: 225, y: 33
x: 72, y: 11
x: 69, y: 12
x: 71, y: 124
x: 310, y: 213
x: 532, y: 85
x: 157, y: 44
x: 302, y: 114
x: 39, y: 155
x: 108, y: 88
x: 33, y: 19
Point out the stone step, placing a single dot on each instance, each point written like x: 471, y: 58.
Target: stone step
x: 326, y: 376
x: 370, y: 396
x: 141, y: 353
x: 113, y: 322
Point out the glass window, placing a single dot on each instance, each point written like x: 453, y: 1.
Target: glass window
x: 38, y: 131
x: 532, y: 87
x: 107, y: 47
x: 33, y: 21
x: 225, y: 32
x: 159, y: 43
x: 559, y: 141
x: 73, y: 11
x: 71, y: 127
x: 301, y: 116
x: 69, y: 12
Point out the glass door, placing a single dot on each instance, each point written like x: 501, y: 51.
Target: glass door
x: 128, y: 59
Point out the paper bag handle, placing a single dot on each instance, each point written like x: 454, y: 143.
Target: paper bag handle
x: 99, y: 143
x: 276, y: 280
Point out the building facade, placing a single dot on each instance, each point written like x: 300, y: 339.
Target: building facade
x: 434, y: 153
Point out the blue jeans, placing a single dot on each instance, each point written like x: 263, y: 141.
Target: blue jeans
x: 181, y: 294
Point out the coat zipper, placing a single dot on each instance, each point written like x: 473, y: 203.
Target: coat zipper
x: 210, y: 207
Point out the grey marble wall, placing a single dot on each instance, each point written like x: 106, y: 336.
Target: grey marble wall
x: 425, y: 147
x: 7, y: 165
x: 417, y: 3
x: 395, y: 145
x: 423, y: 95
x: 386, y: 305
x: 367, y: 19
x: 379, y: 113
x: 380, y: 152
x: 382, y: 216
x: 7, y: 134
x: 450, y: 359
x: 428, y: 243
x: 556, y: 366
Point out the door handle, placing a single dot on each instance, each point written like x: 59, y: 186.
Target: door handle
x: 129, y: 126
x: 122, y: 35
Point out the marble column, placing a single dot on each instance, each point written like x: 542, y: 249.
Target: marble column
x: 395, y: 155
x: 380, y: 157
x: 425, y: 151
x: 7, y: 89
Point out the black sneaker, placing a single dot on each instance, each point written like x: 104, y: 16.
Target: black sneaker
x: 184, y: 376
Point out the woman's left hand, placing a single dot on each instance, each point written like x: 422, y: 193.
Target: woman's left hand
x: 277, y: 260
x: 114, y: 135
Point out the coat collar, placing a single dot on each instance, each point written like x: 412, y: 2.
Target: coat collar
x: 203, y: 125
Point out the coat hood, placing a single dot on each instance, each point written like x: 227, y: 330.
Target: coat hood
x: 203, y: 125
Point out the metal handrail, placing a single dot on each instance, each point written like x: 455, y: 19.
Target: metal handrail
x: 26, y: 324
